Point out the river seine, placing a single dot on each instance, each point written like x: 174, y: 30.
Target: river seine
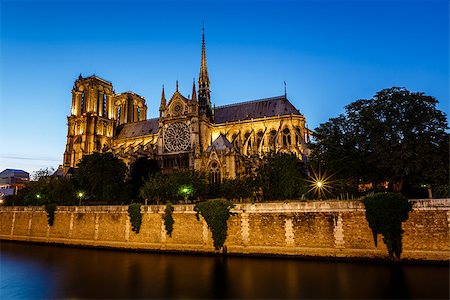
x: 31, y: 271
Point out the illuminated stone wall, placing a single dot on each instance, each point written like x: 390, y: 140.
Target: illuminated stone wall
x: 324, y: 229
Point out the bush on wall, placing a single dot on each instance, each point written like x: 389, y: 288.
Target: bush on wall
x: 50, y: 210
x: 385, y: 213
x: 134, y: 211
x: 216, y: 213
x: 168, y: 219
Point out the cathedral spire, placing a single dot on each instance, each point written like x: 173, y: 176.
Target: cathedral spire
x: 194, y: 93
x: 203, y: 69
x: 204, y: 100
x: 163, y: 100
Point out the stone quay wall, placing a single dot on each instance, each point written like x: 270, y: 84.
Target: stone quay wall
x: 315, y: 229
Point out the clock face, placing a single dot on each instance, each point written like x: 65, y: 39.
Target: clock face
x: 177, y: 137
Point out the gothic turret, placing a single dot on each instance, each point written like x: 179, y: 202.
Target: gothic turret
x: 194, y: 93
x: 163, y: 104
x: 204, y: 98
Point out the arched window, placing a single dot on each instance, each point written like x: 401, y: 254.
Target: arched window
x: 138, y: 114
x: 118, y: 113
x: 214, y: 173
x: 286, y: 137
x: 272, y: 139
x: 105, y: 112
x: 83, y: 108
x: 259, y: 138
x: 298, y: 135
x: 248, y: 139
x: 235, y: 140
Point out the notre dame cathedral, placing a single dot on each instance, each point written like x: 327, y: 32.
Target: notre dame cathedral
x: 224, y: 141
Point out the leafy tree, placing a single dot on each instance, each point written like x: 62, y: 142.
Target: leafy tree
x: 282, y: 176
x: 101, y: 176
x: 238, y: 188
x: 396, y: 136
x: 140, y: 171
x: 169, y: 187
x: 44, y: 191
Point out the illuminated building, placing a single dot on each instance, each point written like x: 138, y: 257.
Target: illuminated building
x: 223, y: 141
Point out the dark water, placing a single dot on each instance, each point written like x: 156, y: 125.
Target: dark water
x: 29, y: 271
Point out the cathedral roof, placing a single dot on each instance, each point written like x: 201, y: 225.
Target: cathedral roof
x: 221, y: 143
x: 255, y: 109
x: 135, y: 129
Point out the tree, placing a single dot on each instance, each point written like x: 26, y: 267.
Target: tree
x: 140, y: 171
x: 397, y: 136
x: 238, y: 188
x: 282, y: 176
x: 174, y: 186
x: 101, y: 177
x: 44, y: 172
x: 46, y: 190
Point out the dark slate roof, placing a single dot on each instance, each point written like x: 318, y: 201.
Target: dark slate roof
x: 7, y: 173
x: 267, y: 107
x: 221, y: 143
x: 140, y: 128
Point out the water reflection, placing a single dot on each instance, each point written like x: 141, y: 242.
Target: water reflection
x: 42, y: 272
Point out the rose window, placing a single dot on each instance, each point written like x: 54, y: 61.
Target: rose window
x: 176, y: 137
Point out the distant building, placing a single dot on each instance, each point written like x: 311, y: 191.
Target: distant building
x: 12, y: 180
x: 190, y: 132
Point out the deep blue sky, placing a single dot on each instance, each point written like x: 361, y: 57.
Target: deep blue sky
x: 330, y: 53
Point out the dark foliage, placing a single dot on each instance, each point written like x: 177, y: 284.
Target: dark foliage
x: 238, y: 188
x: 50, y: 210
x: 134, y: 211
x: 167, y: 187
x: 397, y: 136
x: 101, y: 176
x: 168, y: 218
x: 282, y: 176
x: 45, y: 190
x: 140, y: 171
x: 216, y: 213
x: 385, y: 213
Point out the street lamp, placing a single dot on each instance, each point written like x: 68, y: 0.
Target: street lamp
x: 319, y: 184
x: 185, y: 191
x: 80, y: 196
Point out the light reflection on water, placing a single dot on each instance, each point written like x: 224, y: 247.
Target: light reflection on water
x: 29, y: 271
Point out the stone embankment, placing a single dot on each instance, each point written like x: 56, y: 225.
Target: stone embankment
x: 318, y: 229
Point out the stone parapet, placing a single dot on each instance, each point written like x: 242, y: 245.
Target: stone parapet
x: 305, y: 228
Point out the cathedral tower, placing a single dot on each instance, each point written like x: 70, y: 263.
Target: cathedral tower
x: 91, y: 123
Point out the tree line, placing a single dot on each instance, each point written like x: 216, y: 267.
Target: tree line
x: 396, y: 141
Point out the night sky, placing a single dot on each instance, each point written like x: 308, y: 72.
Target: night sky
x: 330, y: 53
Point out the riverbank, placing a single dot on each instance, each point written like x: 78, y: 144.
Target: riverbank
x: 321, y: 229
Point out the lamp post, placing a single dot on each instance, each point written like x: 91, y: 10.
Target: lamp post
x: 80, y: 196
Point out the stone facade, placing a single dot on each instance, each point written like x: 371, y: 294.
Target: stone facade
x: 320, y: 229
x: 190, y: 132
